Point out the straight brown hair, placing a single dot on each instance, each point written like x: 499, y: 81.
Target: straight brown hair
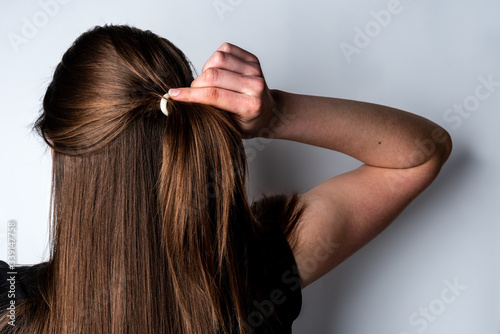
x: 150, y: 221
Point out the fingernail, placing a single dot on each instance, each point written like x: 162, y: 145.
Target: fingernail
x: 174, y: 91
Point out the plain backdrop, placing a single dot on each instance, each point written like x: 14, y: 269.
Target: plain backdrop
x: 436, y: 268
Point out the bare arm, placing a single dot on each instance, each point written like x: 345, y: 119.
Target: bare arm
x: 376, y: 135
x: 402, y: 154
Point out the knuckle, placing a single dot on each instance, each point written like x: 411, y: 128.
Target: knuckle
x: 212, y: 94
x: 197, y: 82
x: 219, y: 57
x: 256, y: 60
x: 255, y: 69
x: 259, y: 83
x: 211, y: 74
x: 226, y: 47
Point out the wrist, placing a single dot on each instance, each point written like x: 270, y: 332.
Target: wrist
x: 281, y: 119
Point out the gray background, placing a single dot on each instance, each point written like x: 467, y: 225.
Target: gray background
x: 428, y: 57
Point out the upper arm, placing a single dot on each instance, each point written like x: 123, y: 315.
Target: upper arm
x: 345, y: 212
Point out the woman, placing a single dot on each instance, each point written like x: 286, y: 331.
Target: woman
x: 152, y: 231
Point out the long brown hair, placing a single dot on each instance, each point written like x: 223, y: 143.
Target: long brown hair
x: 150, y: 218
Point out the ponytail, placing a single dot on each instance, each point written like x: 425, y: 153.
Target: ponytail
x: 201, y: 195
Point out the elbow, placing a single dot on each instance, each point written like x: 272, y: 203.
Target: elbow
x: 446, y: 146
x: 437, y: 147
x: 443, y: 146
x: 433, y: 152
x: 426, y: 173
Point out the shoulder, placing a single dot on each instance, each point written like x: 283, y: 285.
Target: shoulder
x: 273, y: 269
x: 18, y: 283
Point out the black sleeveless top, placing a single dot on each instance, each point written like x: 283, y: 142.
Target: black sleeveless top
x: 274, y: 270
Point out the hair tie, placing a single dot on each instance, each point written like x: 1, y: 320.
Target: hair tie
x: 163, y: 103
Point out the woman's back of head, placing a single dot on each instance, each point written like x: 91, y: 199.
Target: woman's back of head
x: 147, y: 209
x: 108, y: 78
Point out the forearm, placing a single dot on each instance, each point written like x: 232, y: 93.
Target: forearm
x: 374, y: 134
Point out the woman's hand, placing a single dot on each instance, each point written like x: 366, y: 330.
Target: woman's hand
x: 232, y: 80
